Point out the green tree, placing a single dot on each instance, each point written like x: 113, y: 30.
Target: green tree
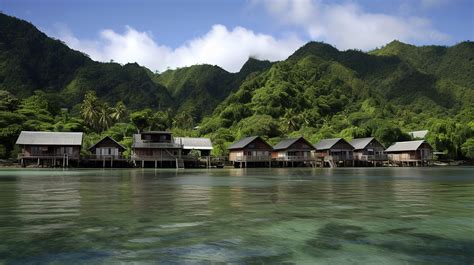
x: 141, y: 119
x: 8, y: 102
x: 468, y: 148
x: 183, y: 120
x: 104, y: 117
x: 291, y: 120
x: 119, y: 111
x: 90, y: 110
x: 161, y: 120
x: 388, y: 134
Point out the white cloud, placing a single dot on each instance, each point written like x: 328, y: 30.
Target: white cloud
x: 348, y: 26
x: 220, y: 46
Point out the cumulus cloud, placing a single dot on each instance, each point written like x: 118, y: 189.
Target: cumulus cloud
x: 348, y: 26
x: 220, y: 46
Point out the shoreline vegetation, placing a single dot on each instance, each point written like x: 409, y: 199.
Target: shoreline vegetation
x: 159, y: 149
x: 319, y: 92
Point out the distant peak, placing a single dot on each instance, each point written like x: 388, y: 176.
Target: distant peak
x: 254, y: 65
x: 320, y: 49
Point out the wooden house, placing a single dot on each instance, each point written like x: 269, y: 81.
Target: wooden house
x: 410, y: 153
x: 201, y: 145
x: 368, y: 151
x: 293, y: 152
x: 250, y: 151
x: 334, y: 152
x: 107, y: 150
x: 195, y: 151
x: 49, y: 148
x: 156, y: 149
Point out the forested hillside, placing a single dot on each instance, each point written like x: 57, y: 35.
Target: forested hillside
x: 321, y: 92
x: 317, y: 92
x: 44, y: 84
x: 200, y: 88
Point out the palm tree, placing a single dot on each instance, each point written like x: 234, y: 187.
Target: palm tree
x: 119, y: 111
x: 90, y: 110
x: 104, y: 117
x: 291, y: 120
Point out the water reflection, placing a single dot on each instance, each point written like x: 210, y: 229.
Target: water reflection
x: 369, y: 215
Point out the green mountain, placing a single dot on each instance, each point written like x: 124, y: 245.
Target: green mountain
x: 317, y: 92
x: 322, y: 92
x: 29, y: 60
x: 32, y: 61
x: 200, y: 88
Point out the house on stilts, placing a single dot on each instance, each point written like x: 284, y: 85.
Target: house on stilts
x: 410, y: 153
x: 49, y: 148
x: 368, y: 151
x: 250, y: 152
x: 195, y: 151
x: 108, y: 153
x: 161, y: 149
x: 293, y: 152
x: 156, y: 149
x: 334, y: 152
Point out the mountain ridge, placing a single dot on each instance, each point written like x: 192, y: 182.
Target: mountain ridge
x: 318, y: 91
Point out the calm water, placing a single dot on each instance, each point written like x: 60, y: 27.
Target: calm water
x: 302, y: 216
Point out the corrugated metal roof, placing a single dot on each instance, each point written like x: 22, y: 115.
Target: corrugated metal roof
x: 243, y: 142
x: 118, y: 144
x: 139, y: 143
x: 49, y: 138
x: 360, y: 143
x: 419, y: 134
x: 194, y: 143
x: 326, y: 143
x: 286, y: 143
x: 405, y: 146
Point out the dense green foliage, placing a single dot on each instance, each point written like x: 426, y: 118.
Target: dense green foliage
x: 198, y: 89
x: 318, y: 92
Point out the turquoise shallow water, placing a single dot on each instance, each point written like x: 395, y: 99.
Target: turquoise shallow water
x: 258, y: 216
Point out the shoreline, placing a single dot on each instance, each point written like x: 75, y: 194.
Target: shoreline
x: 17, y: 166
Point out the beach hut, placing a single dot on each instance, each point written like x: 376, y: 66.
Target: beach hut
x: 49, y: 148
x: 335, y: 152
x: 368, y: 151
x: 250, y: 152
x: 107, y: 150
x: 195, y: 151
x: 410, y: 153
x: 156, y: 149
x: 293, y: 152
x: 202, y: 145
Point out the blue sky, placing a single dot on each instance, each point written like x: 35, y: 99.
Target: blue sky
x: 162, y: 34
